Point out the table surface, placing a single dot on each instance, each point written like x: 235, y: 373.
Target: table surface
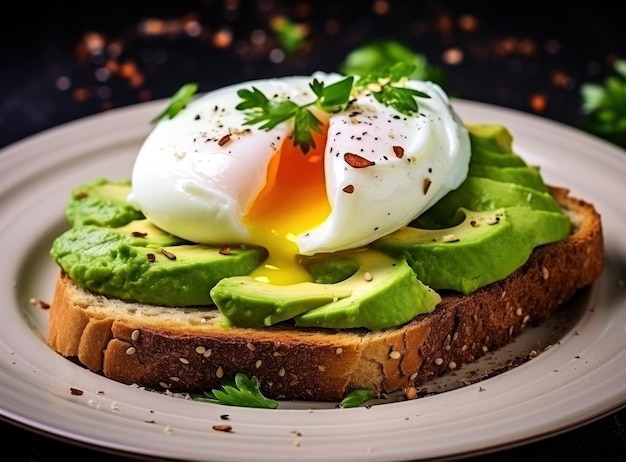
x: 62, y: 62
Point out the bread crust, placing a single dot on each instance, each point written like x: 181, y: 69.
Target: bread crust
x: 189, y: 350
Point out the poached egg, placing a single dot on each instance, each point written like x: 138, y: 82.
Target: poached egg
x: 206, y: 176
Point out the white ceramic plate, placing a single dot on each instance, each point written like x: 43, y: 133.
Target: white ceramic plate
x: 580, y: 378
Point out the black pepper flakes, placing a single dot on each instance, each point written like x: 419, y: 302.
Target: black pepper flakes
x: 138, y: 234
x: 151, y: 257
x: 76, y: 391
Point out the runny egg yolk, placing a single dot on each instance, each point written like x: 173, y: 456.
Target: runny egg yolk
x: 292, y: 201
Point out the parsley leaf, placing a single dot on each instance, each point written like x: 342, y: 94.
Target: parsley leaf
x: 259, y: 109
x: 334, y: 97
x: 357, y: 398
x: 604, y: 106
x: 304, y: 124
x: 384, y: 86
x: 178, y: 102
x: 387, y: 86
x: 381, y: 54
x: 244, y: 392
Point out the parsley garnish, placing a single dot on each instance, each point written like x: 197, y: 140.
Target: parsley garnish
x: 604, y: 106
x: 243, y: 392
x: 381, y: 54
x: 259, y: 109
x: 178, y: 102
x: 357, y: 398
x: 384, y: 87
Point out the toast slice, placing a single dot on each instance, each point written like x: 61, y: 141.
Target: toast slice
x: 189, y: 350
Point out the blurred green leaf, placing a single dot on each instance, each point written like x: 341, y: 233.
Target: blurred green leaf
x: 291, y: 35
x: 383, y: 54
x: 604, y: 106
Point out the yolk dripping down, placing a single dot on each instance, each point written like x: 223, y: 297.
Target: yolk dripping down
x: 292, y: 201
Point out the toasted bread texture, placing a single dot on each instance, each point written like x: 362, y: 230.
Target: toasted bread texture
x: 189, y: 350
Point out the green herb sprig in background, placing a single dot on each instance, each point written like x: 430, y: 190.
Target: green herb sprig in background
x: 604, y: 106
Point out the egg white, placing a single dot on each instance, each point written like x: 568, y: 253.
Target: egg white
x: 416, y: 161
x: 197, y: 174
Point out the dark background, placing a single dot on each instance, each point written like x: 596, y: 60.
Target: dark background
x: 62, y: 61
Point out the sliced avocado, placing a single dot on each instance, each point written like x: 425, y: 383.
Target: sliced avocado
x: 328, y: 269
x: 486, y: 247
x: 498, y: 159
x: 480, y: 194
x: 157, y: 268
x: 494, y: 137
x: 524, y: 176
x: 142, y: 233
x: 362, y: 300
x: 101, y: 202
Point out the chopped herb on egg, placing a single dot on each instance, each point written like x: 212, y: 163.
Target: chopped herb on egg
x: 386, y: 85
x: 178, y: 102
x: 259, y: 109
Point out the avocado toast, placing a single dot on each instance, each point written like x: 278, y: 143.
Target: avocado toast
x: 499, y: 253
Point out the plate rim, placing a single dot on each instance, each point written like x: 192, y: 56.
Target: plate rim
x: 142, y: 112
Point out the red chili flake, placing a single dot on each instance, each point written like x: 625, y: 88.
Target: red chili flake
x: 349, y: 189
x: 169, y: 255
x: 139, y: 234
x: 398, y: 151
x: 225, y: 250
x: 223, y: 140
x: 151, y: 257
x: 40, y: 303
x: 76, y: 391
x: 356, y: 161
x: 223, y: 428
x: 427, y: 183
